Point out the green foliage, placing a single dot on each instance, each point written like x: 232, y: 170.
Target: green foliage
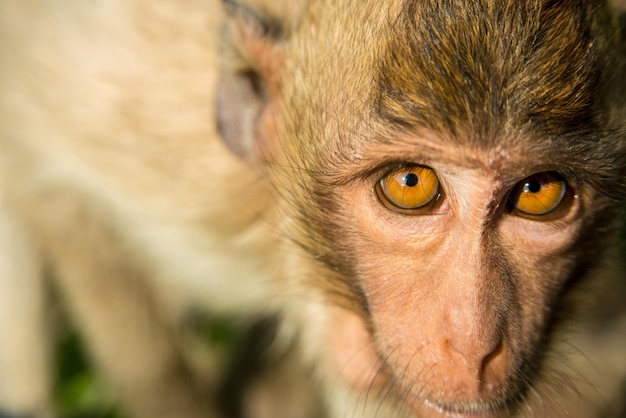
x: 79, y: 392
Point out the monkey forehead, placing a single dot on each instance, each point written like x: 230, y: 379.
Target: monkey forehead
x: 479, y: 66
x: 491, y: 67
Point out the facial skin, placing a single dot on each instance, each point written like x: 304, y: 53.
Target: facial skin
x: 475, y: 276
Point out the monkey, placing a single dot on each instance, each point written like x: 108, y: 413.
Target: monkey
x: 425, y: 197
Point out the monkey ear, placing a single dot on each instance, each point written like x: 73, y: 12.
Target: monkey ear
x: 249, y: 83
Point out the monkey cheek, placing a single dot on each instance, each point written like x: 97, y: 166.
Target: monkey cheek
x: 353, y: 352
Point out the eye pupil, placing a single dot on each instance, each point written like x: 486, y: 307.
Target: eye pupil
x: 532, y: 186
x: 411, y: 179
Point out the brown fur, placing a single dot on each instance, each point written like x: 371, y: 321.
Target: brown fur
x: 158, y: 158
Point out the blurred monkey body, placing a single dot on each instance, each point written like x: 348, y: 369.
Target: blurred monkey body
x: 422, y: 192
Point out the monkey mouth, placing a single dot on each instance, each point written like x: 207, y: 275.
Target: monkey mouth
x: 498, y: 407
x: 502, y: 401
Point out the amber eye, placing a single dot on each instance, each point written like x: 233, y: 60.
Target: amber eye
x: 408, y: 188
x: 540, y: 194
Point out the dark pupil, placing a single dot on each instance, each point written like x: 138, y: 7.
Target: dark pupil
x: 532, y: 186
x: 410, y: 179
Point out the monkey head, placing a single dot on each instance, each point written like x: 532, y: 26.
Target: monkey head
x: 447, y: 169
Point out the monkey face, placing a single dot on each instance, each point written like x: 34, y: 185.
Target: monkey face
x: 458, y: 289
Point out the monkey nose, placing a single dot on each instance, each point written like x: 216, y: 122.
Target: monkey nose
x: 476, y: 369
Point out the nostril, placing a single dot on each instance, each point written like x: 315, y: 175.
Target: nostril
x: 493, y: 367
x: 493, y: 355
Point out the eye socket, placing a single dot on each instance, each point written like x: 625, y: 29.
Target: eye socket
x: 540, y: 195
x: 408, y: 188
